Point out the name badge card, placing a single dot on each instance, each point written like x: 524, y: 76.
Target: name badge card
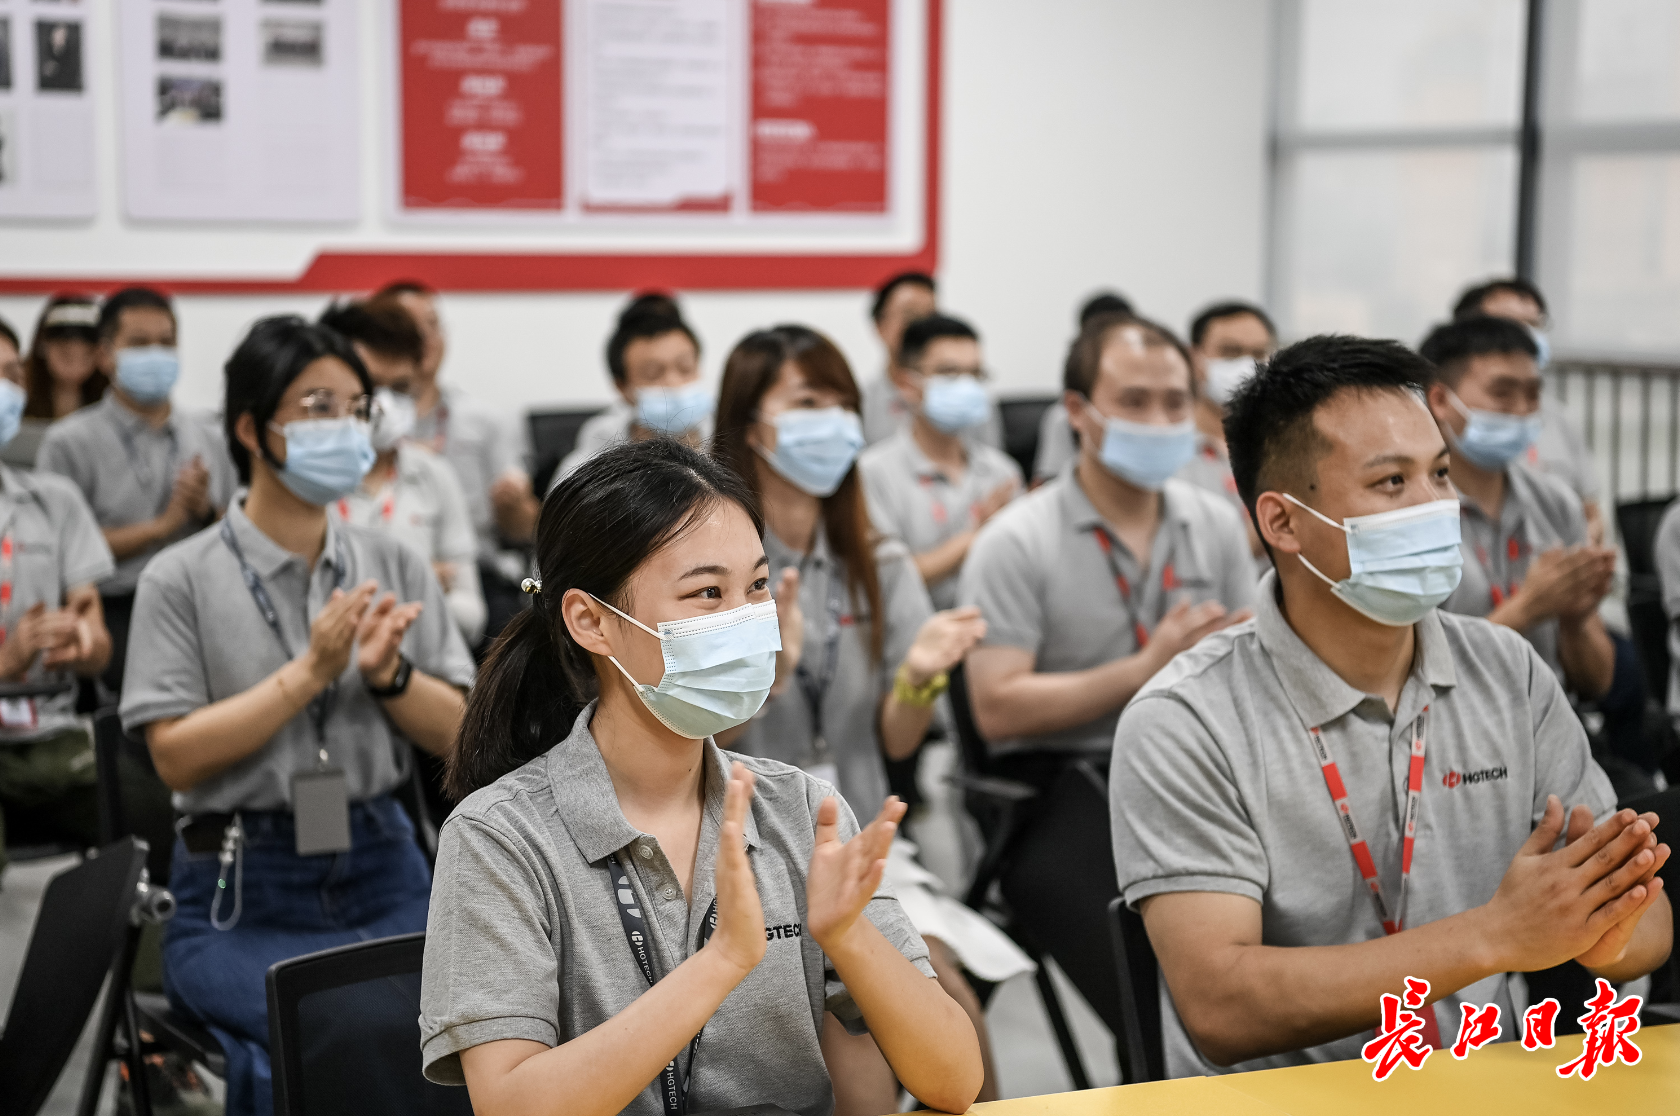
x: 321, y: 811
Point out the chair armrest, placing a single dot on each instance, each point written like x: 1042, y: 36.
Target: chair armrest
x: 1655, y: 1015
x: 995, y: 787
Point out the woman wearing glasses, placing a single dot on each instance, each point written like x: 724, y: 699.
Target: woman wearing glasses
x: 280, y: 662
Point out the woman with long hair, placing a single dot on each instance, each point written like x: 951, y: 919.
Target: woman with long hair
x: 865, y: 656
x: 62, y: 373
x: 625, y: 917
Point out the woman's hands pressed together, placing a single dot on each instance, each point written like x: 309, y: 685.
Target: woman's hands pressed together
x: 332, y: 633
x: 739, y: 937
x: 844, y: 875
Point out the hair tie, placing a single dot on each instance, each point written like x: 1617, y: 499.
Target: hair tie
x: 532, y: 585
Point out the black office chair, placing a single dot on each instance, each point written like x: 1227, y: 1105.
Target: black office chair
x: 1142, y: 1054
x: 79, y: 931
x: 997, y: 805
x: 1021, y: 417
x: 1637, y: 522
x: 554, y: 434
x: 332, y: 1055
x: 22, y: 846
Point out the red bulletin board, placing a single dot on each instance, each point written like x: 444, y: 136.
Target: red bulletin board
x: 481, y: 119
x: 850, y: 152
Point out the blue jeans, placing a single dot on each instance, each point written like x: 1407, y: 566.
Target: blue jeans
x: 290, y: 905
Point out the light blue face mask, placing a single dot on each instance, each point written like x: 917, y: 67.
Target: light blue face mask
x: 147, y: 374
x: 1543, y: 342
x: 12, y: 399
x: 954, y: 403
x: 325, y: 458
x: 815, y: 449
x: 1144, y: 453
x: 1492, y: 439
x: 1401, y: 563
x: 718, y: 668
x: 673, y: 411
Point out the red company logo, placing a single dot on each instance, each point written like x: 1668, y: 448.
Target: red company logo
x: 1470, y: 778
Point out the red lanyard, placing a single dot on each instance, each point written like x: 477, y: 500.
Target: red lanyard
x: 1513, y: 551
x: 5, y: 585
x: 1169, y: 582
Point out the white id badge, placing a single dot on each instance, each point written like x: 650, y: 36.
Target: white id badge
x: 17, y: 713
x: 321, y: 811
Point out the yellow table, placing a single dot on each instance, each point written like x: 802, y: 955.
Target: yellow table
x: 1495, y: 1079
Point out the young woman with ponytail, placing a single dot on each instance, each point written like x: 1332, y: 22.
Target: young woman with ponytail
x: 624, y: 917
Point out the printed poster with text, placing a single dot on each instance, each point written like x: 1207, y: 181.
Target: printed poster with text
x: 481, y: 104
x: 820, y: 89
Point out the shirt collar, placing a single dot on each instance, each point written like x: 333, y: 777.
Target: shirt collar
x: 588, y: 805
x: 1318, y: 693
x: 1081, y: 515
x: 268, y: 557
x: 130, y: 422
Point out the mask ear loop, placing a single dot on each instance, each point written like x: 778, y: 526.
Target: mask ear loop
x: 613, y: 659
x: 1302, y: 557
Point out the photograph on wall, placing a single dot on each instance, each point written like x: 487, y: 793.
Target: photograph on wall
x: 58, y: 56
x: 293, y: 42
x: 194, y: 38
x: 5, y: 52
x: 189, y: 100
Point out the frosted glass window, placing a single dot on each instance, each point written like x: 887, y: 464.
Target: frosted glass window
x: 1624, y: 243
x: 1380, y: 242
x: 1627, y: 60
x: 1418, y: 64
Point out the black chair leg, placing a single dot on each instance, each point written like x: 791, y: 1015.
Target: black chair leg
x: 118, y: 1011
x: 1059, y: 1023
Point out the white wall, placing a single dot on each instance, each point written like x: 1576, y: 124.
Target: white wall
x: 1088, y: 143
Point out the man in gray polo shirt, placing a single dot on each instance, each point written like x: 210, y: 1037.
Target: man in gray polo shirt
x: 1088, y: 586
x: 152, y: 474
x: 1254, y: 775
x: 934, y: 484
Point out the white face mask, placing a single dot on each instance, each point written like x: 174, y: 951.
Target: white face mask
x: 718, y: 668
x: 1224, y: 377
x: 395, y: 420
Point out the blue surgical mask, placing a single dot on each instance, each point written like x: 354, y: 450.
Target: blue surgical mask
x: 12, y: 399
x: 147, y: 375
x: 1144, y: 453
x: 815, y: 449
x: 955, y: 403
x: 1491, y: 439
x: 1401, y: 563
x: 718, y: 668
x: 673, y: 411
x: 325, y: 458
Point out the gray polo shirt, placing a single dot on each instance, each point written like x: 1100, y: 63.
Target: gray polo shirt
x: 1562, y: 452
x: 914, y: 500
x: 1668, y: 569
x: 1539, y: 512
x: 480, y: 445
x: 56, y: 547
x: 852, y: 685
x: 524, y: 939
x: 1041, y: 581
x: 198, y: 637
x: 1214, y: 786
x: 125, y: 468
x: 884, y: 413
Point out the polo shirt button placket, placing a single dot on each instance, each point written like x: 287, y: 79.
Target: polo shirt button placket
x: 646, y: 850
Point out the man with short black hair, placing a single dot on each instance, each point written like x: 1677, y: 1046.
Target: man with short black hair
x: 1560, y: 449
x: 1055, y: 436
x: 1528, y: 564
x: 933, y: 484
x: 1261, y: 783
x: 900, y: 300
x: 1228, y: 341
x: 151, y: 474
x: 1088, y: 586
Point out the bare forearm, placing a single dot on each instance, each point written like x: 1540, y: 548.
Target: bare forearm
x: 1587, y: 655
x: 214, y: 737
x: 1651, y: 944
x: 1031, y: 703
x: 127, y: 541
x: 945, y: 559
x: 600, y: 1072
x: 903, y: 727
x: 428, y: 713
x: 926, y: 1037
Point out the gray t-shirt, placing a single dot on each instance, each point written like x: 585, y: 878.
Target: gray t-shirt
x: 524, y: 939
x: 55, y: 547
x: 1042, y: 583
x: 1214, y: 786
x: 125, y: 469
x: 1539, y: 513
x: 480, y: 445
x: 836, y: 660
x: 198, y: 637
x: 884, y: 413
x: 915, y: 501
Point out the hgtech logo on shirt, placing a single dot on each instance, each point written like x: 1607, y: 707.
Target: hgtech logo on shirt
x: 1471, y: 778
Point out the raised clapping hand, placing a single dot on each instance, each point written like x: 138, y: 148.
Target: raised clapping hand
x: 1185, y: 624
x: 60, y: 633
x: 739, y: 938
x: 1582, y: 901
x: 332, y: 634
x: 943, y: 640
x: 843, y: 876
x: 379, y: 637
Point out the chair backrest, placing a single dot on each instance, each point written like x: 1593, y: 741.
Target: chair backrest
x: 132, y: 799
x: 78, y: 932
x: 1648, y: 624
x: 1637, y: 522
x: 554, y: 434
x: 1140, y: 1046
x: 971, y: 746
x: 1021, y: 417
x: 343, y: 1033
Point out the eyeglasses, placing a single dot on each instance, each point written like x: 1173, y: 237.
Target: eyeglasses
x: 974, y: 370
x: 325, y: 404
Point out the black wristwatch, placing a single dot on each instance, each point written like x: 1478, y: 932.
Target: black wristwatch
x: 399, y: 681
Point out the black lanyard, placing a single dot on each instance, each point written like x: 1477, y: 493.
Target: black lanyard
x: 320, y: 708
x: 673, y: 1082
x: 812, y: 685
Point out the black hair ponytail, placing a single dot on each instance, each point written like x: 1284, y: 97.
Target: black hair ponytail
x: 597, y: 526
